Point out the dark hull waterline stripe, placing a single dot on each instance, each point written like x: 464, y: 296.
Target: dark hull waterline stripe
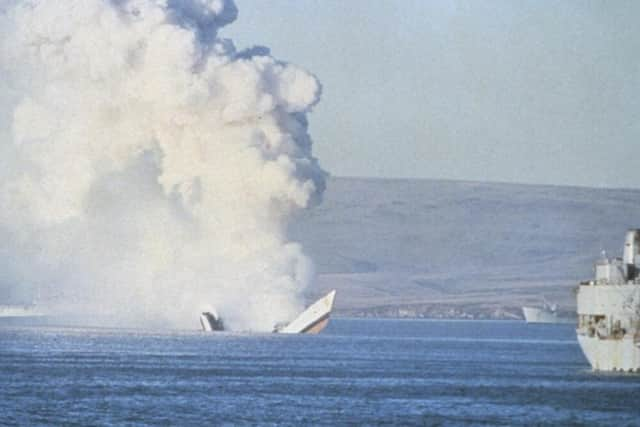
x: 311, y: 326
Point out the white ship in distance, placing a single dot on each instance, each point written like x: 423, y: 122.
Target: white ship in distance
x: 311, y: 321
x: 609, y: 311
x: 20, y: 311
x: 548, y: 313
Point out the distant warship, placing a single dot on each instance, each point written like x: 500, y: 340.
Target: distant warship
x: 609, y: 311
x: 311, y: 321
x: 20, y: 311
x: 548, y: 313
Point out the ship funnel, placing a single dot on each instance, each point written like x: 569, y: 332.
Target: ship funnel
x: 631, y: 248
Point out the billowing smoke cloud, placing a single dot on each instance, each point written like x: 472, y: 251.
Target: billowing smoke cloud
x: 147, y: 168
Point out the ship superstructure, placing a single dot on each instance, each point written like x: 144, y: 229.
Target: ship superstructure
x: 609, y: 311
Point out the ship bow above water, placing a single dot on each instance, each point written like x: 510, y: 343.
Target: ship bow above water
x: 314, y: 319
x: 311, y: 321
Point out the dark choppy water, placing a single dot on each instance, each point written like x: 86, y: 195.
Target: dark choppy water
x: 357, y: 372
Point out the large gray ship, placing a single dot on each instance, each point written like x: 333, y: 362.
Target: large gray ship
x: 609, y: 311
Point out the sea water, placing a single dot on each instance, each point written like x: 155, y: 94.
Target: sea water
x: 358, y: 372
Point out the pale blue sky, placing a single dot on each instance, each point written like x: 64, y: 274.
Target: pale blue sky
x: 515, y: 91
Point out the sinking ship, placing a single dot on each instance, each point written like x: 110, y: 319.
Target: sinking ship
x: 210, y: 321
x: 609, y: 311
x: 548, y: 313
x: 311, y: 321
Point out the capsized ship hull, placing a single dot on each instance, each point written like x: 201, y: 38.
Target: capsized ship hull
x: 313, y: 320
x: 210, y: 322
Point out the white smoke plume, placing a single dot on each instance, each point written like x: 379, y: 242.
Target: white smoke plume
x: 148, y: 169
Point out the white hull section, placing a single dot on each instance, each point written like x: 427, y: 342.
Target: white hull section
x: 611, y: 354
x: 540, y: 315
x: 314, y: 319
x: 17, y: 311
x: 608, y: 325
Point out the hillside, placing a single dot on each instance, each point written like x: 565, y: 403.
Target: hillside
x: 459, y: 249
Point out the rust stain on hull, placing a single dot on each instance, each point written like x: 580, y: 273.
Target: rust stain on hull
x: 317, y: 327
